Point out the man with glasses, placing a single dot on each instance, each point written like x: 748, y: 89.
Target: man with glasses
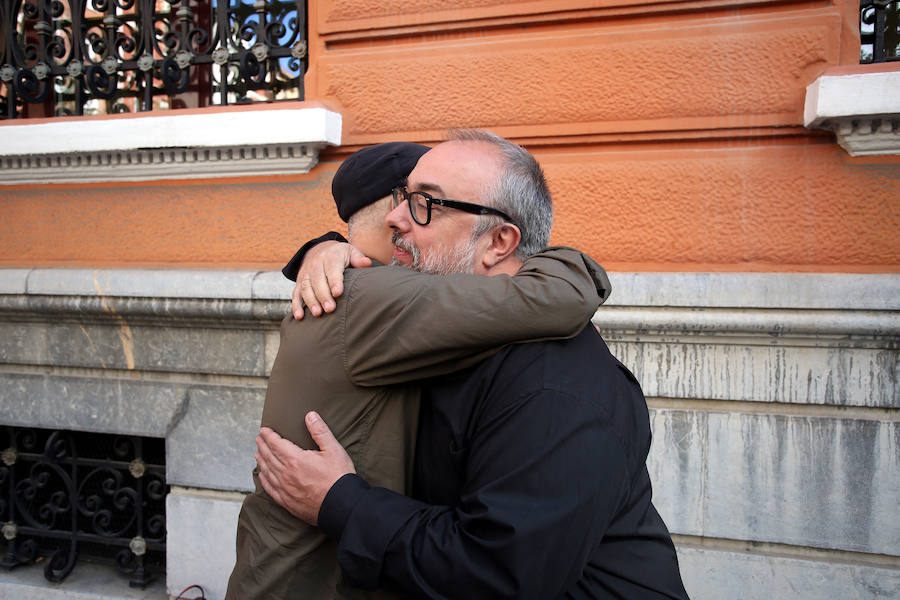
x: 530, y: 476
x: 355, y: 365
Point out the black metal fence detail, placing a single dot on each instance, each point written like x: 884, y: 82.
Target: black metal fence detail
x: 65, y: 494
x: 879, y: 31
x: 74, y: 57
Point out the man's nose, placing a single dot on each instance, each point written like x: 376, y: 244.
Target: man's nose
x: 398, y: 218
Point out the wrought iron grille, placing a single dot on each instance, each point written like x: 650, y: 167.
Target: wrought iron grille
x: 74, y: 57
x: 879, y: 31
x: 67, y: 495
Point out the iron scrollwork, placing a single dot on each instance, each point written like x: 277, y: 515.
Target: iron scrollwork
x: 94, y: 56
x: 64, y: 492
x: 879, y: 30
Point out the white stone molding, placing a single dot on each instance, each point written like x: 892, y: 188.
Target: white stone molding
x: 224, y: 142
x: 792, y: 291
x: 862, y: 109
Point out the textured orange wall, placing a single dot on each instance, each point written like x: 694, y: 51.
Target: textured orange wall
x: 750, y: 208
x: 671, y: 134
x: 247, y: 223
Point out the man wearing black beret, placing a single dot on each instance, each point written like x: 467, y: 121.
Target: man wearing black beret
x: 355, y: 366
x: 364, y: 181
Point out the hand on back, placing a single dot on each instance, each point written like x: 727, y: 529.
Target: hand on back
x: 321, y: 277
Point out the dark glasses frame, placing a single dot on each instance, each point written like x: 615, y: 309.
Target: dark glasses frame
x: 401, y: 194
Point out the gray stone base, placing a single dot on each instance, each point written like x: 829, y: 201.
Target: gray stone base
x: 87, y: 582
x: 200, y: 539
x: 714, y: 575
x: 775, y: 404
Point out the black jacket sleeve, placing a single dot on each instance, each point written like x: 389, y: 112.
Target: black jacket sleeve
x: 291, y: 269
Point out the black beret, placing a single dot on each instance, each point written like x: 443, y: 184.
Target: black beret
x: 371, y: 173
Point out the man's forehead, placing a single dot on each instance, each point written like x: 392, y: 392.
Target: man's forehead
x: 449, y: 165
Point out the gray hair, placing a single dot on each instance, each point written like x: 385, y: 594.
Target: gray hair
x: 520, y: 191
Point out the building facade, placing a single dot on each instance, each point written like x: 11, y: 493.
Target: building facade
x: 732, y: 164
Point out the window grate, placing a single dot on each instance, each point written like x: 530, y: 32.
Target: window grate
x: 67, y: 496
x: 879, y: 31
x: 81, y: 57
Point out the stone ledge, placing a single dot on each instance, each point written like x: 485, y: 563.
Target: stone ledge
x: 149, y: 283
x: 695, y: 290
x: 757, y: 290
x: 221, y: 313
x: 615, y: 320
x: 232, y: 141
x: 861, y: 105
x: 209, y: 429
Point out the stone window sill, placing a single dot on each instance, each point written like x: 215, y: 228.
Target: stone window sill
x: 229, y: 141
x: 860, y: 104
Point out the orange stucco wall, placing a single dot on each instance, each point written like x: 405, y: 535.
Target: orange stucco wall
x: 671, y: 134
x: 244, y: 223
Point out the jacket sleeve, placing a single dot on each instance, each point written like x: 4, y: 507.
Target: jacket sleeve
x: 527, y: 519
x: 291, y: 269
x: 400, y: 325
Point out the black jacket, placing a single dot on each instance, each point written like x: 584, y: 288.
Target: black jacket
x: 530, y: 482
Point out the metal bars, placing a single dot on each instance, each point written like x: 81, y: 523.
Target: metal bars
x: 77, y: 57
x: 879, y: 31
x: 63, y: 493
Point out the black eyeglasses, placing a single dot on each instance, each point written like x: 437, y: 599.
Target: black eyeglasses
x: 420, y: 206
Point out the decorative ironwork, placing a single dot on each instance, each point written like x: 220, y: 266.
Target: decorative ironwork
x: 74, y: 57
x: 67, y: 493
x: 879, y: 31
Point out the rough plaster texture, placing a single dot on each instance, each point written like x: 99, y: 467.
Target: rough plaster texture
x: 686, y: 70
x: 771, y: 208
x: 346, y: 10
x: 348, y: 16
x: 789, y: 206
x: 232, y: 223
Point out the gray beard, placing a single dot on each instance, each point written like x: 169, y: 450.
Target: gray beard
x: 441, y: 260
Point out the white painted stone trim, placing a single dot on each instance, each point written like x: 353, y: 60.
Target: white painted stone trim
x: 168, y: 146
x: 757, y: 290
x: 816, y: 291
x: 863, y: 109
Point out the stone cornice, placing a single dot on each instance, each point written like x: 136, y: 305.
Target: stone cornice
x: 861, y: 105
x: 791, y: 291
x: 755, y: 307
x: 224, y: 141
x: 748, y: 326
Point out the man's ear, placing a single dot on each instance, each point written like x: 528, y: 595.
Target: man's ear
x: 503, y: 242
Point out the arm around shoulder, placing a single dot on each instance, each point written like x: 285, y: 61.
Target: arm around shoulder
x: 402, y: 325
